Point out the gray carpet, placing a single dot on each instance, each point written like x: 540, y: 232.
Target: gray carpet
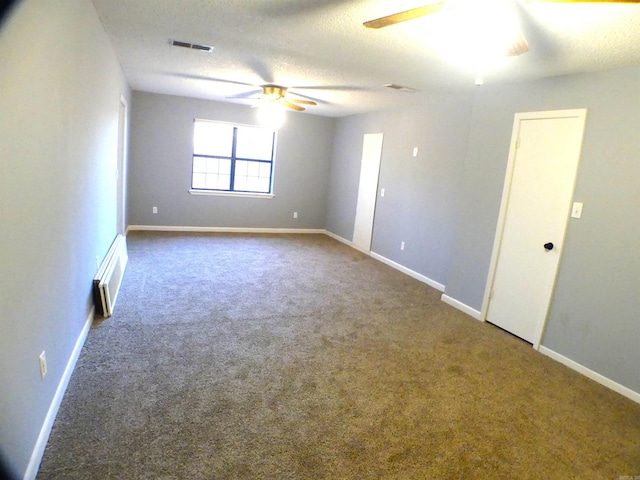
x: 296, y: 357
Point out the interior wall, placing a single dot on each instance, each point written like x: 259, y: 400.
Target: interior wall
x: 160, y: 168
x: 61, y: 84
x: 593, y: 316
x: 418, y: 207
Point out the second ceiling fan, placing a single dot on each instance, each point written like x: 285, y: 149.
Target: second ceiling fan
x: 519, y: 43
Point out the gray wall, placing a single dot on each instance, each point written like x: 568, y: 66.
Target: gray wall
x: 593, y: 318
x: 160, y: 168
x: 61, y: 85
x: 420, y: 192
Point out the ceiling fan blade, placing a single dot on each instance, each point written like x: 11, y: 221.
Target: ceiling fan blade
x: 246, y: 94
x: 338, y: 88
x: 190, y: 76
x: 293, y: 106
x: 302, y: 102
x: 404, y: 16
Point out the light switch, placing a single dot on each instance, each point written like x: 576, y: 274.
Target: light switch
x: 382, y: 192
x: 576, y: 211
x: 415, y: 151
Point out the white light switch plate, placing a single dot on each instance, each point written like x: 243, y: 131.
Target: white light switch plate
x: 576, y: 211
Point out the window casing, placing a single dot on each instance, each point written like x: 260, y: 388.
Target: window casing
x: 232, y: 158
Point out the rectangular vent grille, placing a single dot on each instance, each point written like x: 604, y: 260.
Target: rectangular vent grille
x: 194, y: 46
x: 205, y: 48
x: 109, y: 276
x: 400, y: 88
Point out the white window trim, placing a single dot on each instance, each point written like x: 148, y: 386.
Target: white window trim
x: 222, y: 193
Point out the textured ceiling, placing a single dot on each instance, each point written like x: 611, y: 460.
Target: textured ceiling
x: 320, y: 49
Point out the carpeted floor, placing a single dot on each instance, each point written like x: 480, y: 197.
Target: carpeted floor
x: 296, y: 357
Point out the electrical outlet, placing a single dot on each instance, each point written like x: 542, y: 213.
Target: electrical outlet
x: 155, y: 209
x: 295, y: 214
x: 43, y: 364
x: 401, y: 245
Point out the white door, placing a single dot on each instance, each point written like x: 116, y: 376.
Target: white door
x: 367, y: 191
x: 121, y: 167
x: 536, y: 203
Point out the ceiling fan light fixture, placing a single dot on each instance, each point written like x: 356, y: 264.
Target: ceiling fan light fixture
x: 271, y: 115
x: 273, y: 92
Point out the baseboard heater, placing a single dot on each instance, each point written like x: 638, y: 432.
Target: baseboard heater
x: 108, y: 279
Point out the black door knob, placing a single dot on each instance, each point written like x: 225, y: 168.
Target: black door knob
x: 548, y: 246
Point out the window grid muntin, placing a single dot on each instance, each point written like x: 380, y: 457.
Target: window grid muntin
x: 258, y: 177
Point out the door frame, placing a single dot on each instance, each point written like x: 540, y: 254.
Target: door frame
x: 581, y: 114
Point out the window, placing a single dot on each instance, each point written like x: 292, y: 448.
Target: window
x: 232, y: 158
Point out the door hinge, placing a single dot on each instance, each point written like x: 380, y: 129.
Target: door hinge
x: 518, y: 143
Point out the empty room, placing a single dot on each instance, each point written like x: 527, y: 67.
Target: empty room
x: 300, y: 239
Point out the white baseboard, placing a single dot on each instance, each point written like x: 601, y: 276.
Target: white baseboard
x: 45, y: 431
x: 346, y: 242
x: 164, y: 228
x: 595, y: 376
x: 472, y: 312
x: 407, y: 271
x: 338, y: 238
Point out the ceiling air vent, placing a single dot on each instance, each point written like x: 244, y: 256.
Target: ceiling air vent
x: 194, y: 46
x: 400, y: 88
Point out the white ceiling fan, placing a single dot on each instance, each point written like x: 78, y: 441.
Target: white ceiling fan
x: 276, y: 94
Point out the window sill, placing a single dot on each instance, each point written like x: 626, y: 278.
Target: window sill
x: 231, y: 194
